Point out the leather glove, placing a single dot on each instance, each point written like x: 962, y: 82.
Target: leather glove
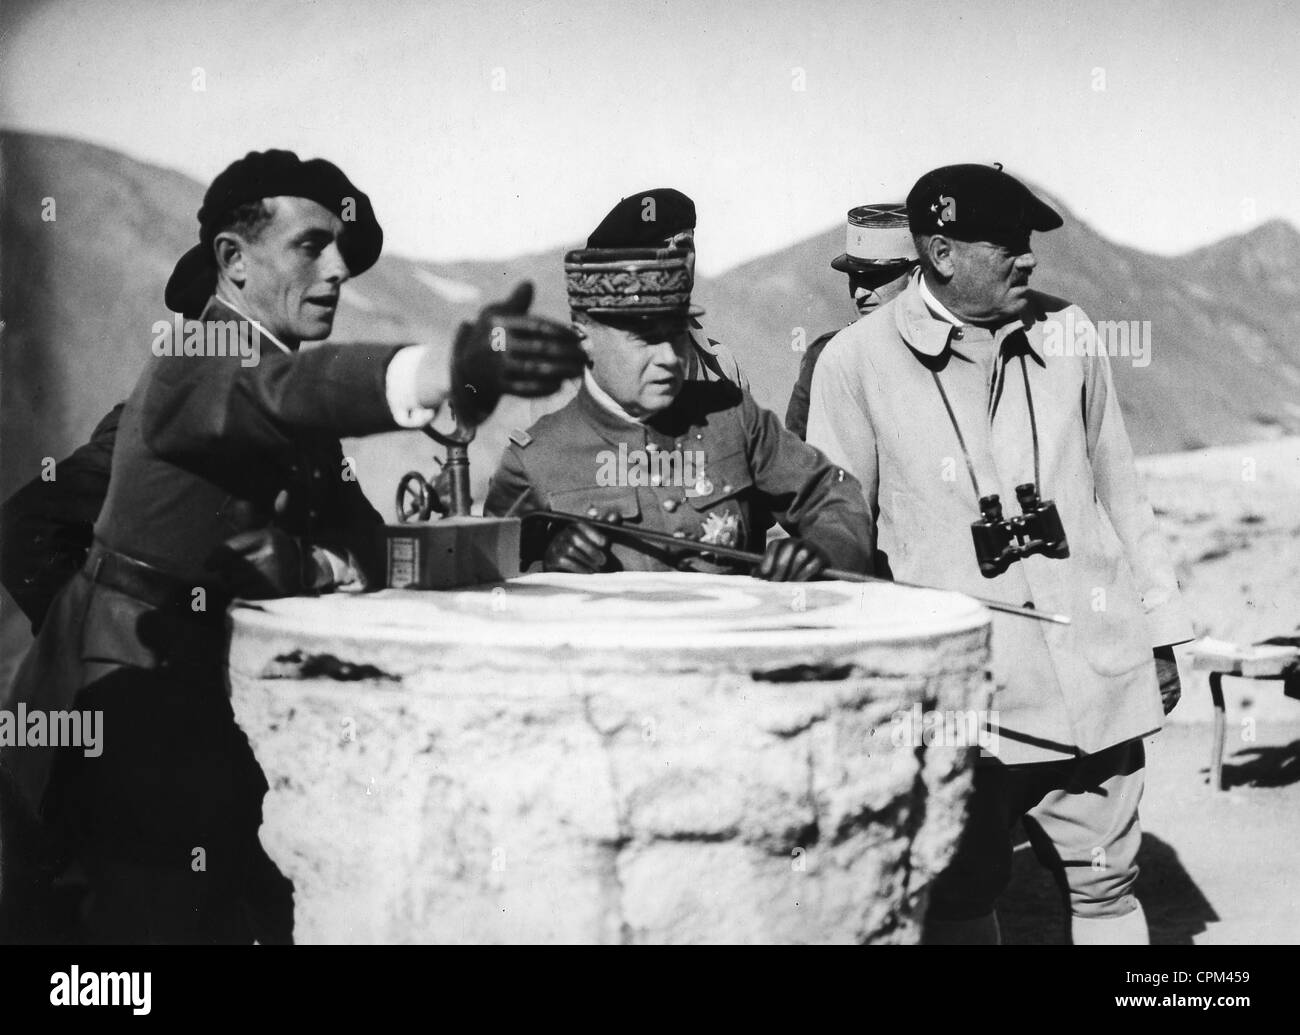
x: 1171, y: 688
x: 508, y: 352
x: 579, y: 549
x: 791, y: 560
x: 266, y: 562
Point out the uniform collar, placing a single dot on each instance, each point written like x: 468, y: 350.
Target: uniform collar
x: 928, y: 327
x: 601, y: 416
x: 220, y: 309
x: 605, y: 401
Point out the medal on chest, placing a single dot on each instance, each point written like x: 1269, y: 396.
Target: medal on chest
x: 721, y: 528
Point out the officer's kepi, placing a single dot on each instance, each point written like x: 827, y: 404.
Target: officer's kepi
x: 273, y: 174
x: 630, y: 283
x: 877, y: 241
x: 976, y: 203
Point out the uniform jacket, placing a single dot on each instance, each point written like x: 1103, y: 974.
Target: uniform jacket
x: 876, y: 410
x: 745, y: 471
x: 46, y: 526
x: 207, y: 447
x: 796, y: 413
x: 713, y: 361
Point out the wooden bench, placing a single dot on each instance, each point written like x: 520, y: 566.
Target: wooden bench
x: 1258, y: 661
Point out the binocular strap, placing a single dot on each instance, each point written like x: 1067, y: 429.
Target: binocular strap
x: 961, y: 441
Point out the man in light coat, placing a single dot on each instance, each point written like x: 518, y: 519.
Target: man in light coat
x: 966, y: 386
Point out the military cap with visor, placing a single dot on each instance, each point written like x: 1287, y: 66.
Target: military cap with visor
x: 877, y: 240
x: 630, y: 282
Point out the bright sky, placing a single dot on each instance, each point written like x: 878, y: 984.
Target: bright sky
x: 487, y: 129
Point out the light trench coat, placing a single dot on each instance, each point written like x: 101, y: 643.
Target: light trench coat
x: 876, y: 411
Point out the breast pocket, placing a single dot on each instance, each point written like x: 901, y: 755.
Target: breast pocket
x: 604, y: 499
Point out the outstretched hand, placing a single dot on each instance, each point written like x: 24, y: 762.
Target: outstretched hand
x: 508, y: 351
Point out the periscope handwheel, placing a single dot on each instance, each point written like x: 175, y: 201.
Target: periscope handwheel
x: 414, y: 498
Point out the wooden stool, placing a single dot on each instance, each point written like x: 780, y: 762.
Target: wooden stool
x: 1250, y: 662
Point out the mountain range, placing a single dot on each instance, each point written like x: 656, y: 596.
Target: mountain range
x: 80, y: 291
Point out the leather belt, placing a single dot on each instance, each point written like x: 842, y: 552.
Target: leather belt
x: 148, y: 584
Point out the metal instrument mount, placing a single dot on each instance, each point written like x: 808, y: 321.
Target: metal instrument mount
x: 446, y: 493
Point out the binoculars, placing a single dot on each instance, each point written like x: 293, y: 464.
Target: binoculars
x: 1001, y: 541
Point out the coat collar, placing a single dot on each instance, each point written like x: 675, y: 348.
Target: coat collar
x: 219, y: 309
x: 931, y: 335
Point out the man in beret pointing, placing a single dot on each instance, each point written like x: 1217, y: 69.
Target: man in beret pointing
x: 228, y: 480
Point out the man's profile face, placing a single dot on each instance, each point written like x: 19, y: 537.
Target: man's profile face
x: 294, y: 270
x: 992, y: 277
x: 640, y: 362
x: 870, y: 289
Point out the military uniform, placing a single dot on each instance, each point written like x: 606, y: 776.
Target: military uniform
x: 877, y: 244
x: 206, y: 448
x: 745, y: 471
x: 46, y: 525
x: 796, y: 413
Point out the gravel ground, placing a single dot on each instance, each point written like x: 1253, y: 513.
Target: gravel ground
x: 1217, y: 869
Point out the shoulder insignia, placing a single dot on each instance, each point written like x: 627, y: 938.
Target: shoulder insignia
x: 520, y: 437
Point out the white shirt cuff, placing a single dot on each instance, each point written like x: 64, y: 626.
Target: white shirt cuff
x: 333, y: 567
x: 399, y: 387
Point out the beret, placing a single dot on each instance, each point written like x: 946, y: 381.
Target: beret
x: 271, y: 174
x: 645, y: 219
x: 976, y: 202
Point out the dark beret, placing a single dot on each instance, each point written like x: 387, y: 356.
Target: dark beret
x: 644, y: 220
x: 975, y: 202
x: 271, y: 174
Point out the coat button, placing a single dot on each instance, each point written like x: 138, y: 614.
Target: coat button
x: 655, y: 480
x: 670, y: 505
x: 679, y: 534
